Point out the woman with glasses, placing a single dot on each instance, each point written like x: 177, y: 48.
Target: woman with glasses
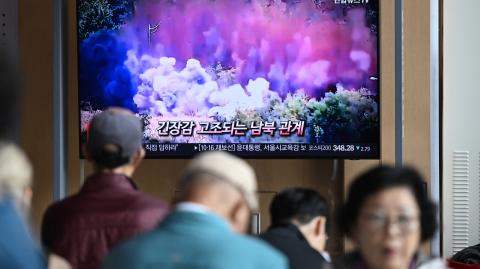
x: 388, y: 215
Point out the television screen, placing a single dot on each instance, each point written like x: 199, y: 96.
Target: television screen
x: 257, y: 78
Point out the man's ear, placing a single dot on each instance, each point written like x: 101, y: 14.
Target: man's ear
x: 137, y: 157
x: 320, y: 225
x: 27, y: 198
x: 239, y: 216
x: 234, y: 214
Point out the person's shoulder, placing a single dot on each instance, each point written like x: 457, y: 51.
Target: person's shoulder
x: 148, y: 242
x: 63, y: 206
x: 24, y: 253
x: 268, y: 234
x: 146, y: 206
x: 279, y: 235
x: 123, y: 256
x: 134, y: 253
x: 256, y: 248
x: 145, y: 200
x: 251, y: 241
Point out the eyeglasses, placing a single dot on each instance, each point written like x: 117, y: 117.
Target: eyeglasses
x: 405, y: 223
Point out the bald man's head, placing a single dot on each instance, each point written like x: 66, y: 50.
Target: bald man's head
x: 223, y: 183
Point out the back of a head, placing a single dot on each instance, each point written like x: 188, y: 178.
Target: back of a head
x: 114, y: 136
x: 224, y: 168
x: 15, y: 172
x: 297, y: 204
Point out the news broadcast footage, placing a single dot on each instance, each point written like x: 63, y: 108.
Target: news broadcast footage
x: 257, y: 78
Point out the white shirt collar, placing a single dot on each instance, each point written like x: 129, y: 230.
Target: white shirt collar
x: 192, y: 207
x: 196, y: 208
x: 326, y: 256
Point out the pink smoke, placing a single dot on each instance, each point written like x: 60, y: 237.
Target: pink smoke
x: 294, y: 46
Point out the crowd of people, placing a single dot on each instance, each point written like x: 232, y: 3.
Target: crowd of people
x: 110, y: 224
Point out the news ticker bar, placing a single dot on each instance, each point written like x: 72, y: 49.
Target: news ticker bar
x: 347, y: 151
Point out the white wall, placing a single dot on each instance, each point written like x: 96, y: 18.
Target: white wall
x: 461, y: 125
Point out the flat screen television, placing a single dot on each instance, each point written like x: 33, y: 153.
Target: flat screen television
x: 257, y: 78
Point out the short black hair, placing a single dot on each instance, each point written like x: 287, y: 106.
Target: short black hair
x: 300, y: 204
x: 110, y: 157
x: 379, y: 179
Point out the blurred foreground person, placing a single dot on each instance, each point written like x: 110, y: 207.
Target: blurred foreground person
x: 298, y: 230
x: 108, y: 209
x: 18, y: 249
x: 216, y: 194
x: 388, y: 215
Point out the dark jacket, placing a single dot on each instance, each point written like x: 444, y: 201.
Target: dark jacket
x: 108, y: 210
x: 470, y: 255
x: 291, y: 242
x: 18, y: 250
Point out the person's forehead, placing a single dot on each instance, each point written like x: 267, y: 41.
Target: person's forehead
x: 395, y: 198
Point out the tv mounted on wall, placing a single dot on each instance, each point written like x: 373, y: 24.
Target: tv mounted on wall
x: 258, y: 78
